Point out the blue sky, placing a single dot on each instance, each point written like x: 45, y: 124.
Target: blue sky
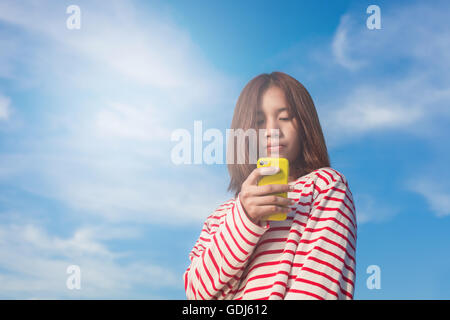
x: 86, y: 117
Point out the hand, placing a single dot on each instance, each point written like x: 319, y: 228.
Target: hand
x: 259, y: 201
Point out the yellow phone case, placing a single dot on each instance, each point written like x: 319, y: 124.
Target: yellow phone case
x: 280, y: 177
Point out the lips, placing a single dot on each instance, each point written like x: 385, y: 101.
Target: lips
x: 275, y: 145
x: 278, y: 148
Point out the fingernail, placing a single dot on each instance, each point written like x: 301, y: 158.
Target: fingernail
x: 269, y: 170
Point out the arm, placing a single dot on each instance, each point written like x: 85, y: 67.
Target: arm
x: 221, y: 253
x: 328, y: 243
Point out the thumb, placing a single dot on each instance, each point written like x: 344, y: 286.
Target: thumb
x: 268, y: 170
x: 257, y: 173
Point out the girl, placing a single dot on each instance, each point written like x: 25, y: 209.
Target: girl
x: 311, y: 254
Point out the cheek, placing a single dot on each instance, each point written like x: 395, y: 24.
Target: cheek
x: 294, y: 146
x: 294, y: 142
x: 292, y: 133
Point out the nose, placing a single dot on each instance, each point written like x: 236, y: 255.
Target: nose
x: 272, y: 129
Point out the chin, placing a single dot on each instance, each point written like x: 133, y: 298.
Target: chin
x: 279, y: 155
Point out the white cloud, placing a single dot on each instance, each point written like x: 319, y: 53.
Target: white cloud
x: 369, y: 209
x: 438, y: 200
x: 116, y: 46
x: 118, y: 188
x: 128, y: 122
x: 37, y: 262
x: 397, y: 106
x: 400, y: 85
x: 5, y: 107
x: 435, y: 191
x: 123, y: 81
x: 340, y: 45
x: 367, y: 109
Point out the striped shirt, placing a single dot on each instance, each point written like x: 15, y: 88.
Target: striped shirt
x: 310, y: 255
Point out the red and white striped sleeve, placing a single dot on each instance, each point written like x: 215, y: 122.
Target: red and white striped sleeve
x: 221, y: 253
x: 328, y: 242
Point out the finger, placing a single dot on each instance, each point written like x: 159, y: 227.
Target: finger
x: 263, y: 211
x: 272, y: 200
x: 256, y: 174
x: 272, y: 188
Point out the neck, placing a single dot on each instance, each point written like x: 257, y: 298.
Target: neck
x: 294, y: 173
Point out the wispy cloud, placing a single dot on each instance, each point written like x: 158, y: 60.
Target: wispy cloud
x: 36, y: 262
x: 341, y: 47
x: 369, y: 109
x: 438, y: 199
x: 128, y: 122
x: 432, y: 183
x: 410, y: 93
x: 148, y: 50
x: 5, y: 107
x: 132, y: 79
x: 92, y: 134
x: 376, y: 83
x: 402, y: 86
x: 373, y: 210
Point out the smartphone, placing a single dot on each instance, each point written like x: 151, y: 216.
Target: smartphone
x: 281, y: 177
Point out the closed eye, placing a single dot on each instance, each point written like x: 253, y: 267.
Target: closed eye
x: 259, y: 122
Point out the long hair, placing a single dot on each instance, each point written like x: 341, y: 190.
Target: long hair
x: 313, y: 151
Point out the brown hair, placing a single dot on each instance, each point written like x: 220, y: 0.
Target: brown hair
x: 313, y: 152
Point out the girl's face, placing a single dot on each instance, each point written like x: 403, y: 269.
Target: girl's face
x: 274, y: 114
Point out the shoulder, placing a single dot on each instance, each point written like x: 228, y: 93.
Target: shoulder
x: 323, y: 179
x: 330, y: 190
x: 220, y: 211
x: 327, y: 176
x: 223, y: 208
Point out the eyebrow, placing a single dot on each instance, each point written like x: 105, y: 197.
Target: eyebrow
x: 278, y: 111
